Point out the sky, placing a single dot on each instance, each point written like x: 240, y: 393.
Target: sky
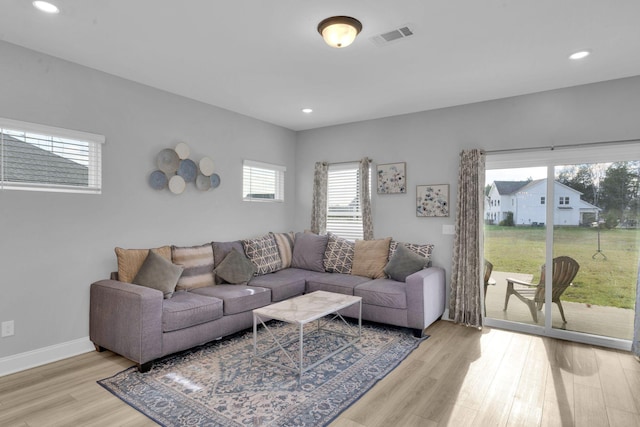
x: 518, y: 174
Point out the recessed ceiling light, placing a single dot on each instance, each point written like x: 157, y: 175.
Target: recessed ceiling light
x: 45, y: 6
x: 307, y: 110
x: 579, y: 55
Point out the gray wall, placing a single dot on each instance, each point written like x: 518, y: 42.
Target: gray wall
x: 430, y: 143
x: 53, y: 245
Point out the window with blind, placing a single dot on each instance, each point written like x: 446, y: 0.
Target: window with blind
x: 44, y: 158
x: 344, y: 213
x: 262, y: 182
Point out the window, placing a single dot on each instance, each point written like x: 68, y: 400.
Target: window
x: 44, y: 158
x: 344, y: 213
x: 543, y: 199
x: 564, y: 200
x: 262, y: 182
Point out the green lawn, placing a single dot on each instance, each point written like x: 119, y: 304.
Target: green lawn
x: 610, y: 282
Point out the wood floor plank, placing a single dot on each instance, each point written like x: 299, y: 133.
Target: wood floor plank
x: 616, y: 391
x: 590, y: 409
x: 618, y: 418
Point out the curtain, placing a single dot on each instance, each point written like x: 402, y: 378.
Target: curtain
x: 466, y: 276
x: 365, y: 192
x: 319, y: 206
x: 635, y: 346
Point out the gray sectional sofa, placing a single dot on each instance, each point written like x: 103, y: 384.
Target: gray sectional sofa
x: 143, y: 324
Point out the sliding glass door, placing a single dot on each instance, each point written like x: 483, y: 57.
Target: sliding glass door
x: 562, y: 241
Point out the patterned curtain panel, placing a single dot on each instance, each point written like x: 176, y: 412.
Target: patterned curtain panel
x: 365, y: 191
x: 465, y: 305
x: 319, y: 206
x: 635, y: 346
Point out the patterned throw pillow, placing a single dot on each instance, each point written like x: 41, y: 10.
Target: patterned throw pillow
x: 285, y: 247
x: 130, y: 261
x: 338, y: 257
x: 263, y: 253
x: 424, y: 251
x: 197, y: 262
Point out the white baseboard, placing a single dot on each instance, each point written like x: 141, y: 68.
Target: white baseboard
x: 42, y: 356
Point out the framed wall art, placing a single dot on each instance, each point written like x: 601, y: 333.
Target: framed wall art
x: 432, y: 200
x: 392, y: 178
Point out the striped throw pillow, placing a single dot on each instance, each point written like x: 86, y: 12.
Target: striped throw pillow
x: 197, y: 262
x: 285, y: 246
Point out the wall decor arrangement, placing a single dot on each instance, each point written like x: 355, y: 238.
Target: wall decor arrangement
x: 432, y: 200
x: 176, y: 170
x: 392, y: 178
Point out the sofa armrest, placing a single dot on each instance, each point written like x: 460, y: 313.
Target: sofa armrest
x: 425, y: 297
x: 126, y: 319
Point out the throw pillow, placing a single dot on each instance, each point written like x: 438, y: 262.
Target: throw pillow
x: 404, y: 263
x: 158, y: 273
x: 338, y: 257
x: 285, y: 247
x: 370, y: 257
x: 197, y: 262
x: 308, y: 251
x: 424, y: 251
x: 220, y: 252
x: 263, y: 253
x: 235, y: 268
x: 130, y: 261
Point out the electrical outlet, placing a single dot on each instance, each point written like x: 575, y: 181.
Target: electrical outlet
x: 7, y: 328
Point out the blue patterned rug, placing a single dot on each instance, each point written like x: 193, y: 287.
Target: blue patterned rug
x: 218, y: 384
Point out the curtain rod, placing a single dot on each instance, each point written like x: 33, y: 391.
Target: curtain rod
x: 344, y: 163
x: 561, y: 147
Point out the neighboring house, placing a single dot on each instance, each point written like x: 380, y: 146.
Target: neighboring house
x: 528, y: 202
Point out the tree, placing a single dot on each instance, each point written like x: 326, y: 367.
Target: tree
x: 619, y: 190
x: 585, y: 178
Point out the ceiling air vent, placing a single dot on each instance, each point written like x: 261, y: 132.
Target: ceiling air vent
x: 392, y: 36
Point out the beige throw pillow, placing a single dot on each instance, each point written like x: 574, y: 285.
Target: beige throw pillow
x: 370, y: 257
x: 130, y: 261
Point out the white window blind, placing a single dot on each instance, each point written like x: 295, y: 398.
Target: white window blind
x: 44, y: 158
x: 262, y: 181
x: 344, y: 213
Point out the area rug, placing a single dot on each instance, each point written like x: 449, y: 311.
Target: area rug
x: 218, y: 384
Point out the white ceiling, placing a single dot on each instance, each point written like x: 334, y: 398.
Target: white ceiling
x: 266, y: 60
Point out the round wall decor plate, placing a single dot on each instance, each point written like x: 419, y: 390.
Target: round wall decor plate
x: 188, y: 170
x: 183, y: 150
x: 158, y: 180
x: 203, y: 182
x: 215, y: 180
x: 206, y: 166
x: 176, y: 184
x: 168, y: 161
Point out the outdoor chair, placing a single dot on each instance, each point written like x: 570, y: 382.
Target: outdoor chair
x: 564, y: 271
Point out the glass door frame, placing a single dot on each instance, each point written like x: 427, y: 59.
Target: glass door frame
x: 550, y: 158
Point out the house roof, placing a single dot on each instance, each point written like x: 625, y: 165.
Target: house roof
x: 30, y: 164
x: 509, y: 187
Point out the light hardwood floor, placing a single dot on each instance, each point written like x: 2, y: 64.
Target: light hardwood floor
x: 458, y: 377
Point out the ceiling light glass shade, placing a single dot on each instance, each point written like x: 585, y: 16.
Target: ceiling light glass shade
x: 580, y: 55
x: 46, y: 6
x: 339, y: 31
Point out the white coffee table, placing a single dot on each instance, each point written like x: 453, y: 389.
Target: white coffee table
x: 300, y: 311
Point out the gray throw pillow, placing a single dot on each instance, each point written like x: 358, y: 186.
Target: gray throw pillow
x: 308, y: 251
x: 158, y: 273
x: 235, y: 268
x: 404, y: 263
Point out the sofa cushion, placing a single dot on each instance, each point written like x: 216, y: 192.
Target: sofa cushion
x: 370, y: 257
x: 335, y: 282
x: 237, y: 299
x: 130, y: 261
x: 423, y: 250
x: 285, y: 247
x: 158, y: 273
x: 404, y: 263
x: 338, y: 257
x: 383, y: 292
x: 285, y: 283
x: 308, y: 251
x: 235, y: 268
x: 197, y: 262
x: 263, y: 253
x: 186, y: 309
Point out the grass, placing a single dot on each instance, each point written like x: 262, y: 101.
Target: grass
x: 605, y: 282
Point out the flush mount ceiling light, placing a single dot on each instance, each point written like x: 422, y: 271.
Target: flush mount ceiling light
x: 339, y: 31
x: 307, y: 110
x: 45, y: 6
x: 579, y: 55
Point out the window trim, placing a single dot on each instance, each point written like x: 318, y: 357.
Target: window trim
x: 95, y: 159
x: 279, y: 190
